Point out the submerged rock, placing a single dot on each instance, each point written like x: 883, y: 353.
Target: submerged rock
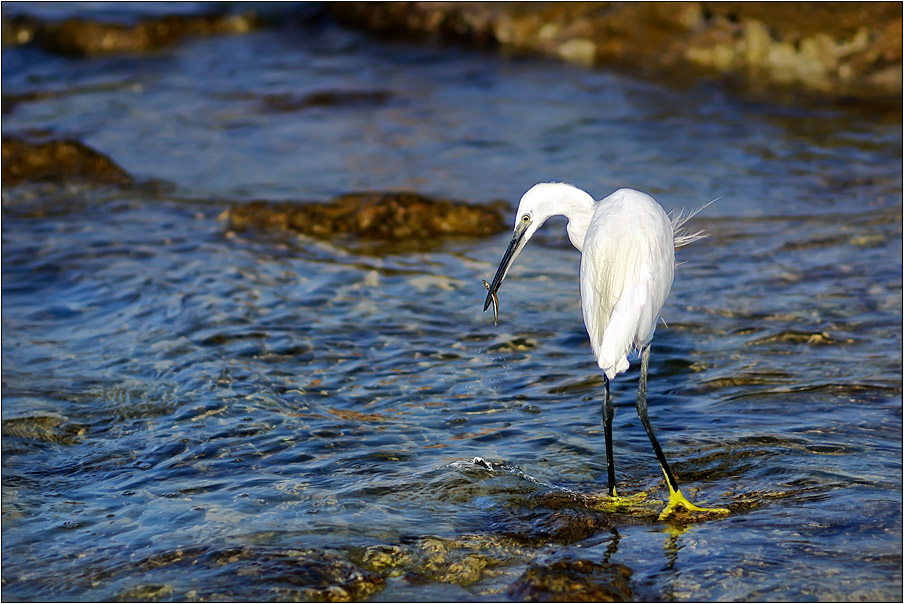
x: 146, y: 592
x: 836, y: 48
x: 50, y: 428
x: 551, y: 519
x: 371, y: 215
x: 573, y: 581
x: 290, y: 575
x: 85, y: 37
x: 57, y: 161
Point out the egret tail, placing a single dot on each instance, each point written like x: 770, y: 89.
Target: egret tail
x: 679, y: 221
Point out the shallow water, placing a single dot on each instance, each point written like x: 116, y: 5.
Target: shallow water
x: 190, y: 414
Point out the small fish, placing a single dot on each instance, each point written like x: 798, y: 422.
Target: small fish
x: 495, y: 303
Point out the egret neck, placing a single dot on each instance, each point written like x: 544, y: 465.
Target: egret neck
x: 559, y: 199
x: 540, y: 203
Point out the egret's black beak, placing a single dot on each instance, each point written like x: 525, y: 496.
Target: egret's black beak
x: 510, y: 253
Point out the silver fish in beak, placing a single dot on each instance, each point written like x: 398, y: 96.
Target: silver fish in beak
x: 519, y: 239
x: 495, y: 301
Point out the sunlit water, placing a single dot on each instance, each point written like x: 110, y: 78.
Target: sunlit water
x: 192, y: 414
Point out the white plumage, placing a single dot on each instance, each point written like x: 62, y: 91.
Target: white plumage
x: 627, y: 266
x: 627, y: 244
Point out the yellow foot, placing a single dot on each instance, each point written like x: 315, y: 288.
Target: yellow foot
x: 677, y: 500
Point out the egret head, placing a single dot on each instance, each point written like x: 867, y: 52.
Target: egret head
x: 533, y: 210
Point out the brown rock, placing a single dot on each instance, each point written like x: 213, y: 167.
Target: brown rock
x: 371, y: 215
x: 57, y: 161
x: 474, y: 23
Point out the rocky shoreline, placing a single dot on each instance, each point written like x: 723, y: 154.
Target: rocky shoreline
x: 834, y: 49
x: 830, y: 49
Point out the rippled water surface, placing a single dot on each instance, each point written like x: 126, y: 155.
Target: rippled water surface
x: 192, y: 414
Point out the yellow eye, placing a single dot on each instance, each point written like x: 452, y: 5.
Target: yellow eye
x: 525, y: 218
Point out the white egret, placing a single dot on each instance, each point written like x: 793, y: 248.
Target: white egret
x: 627, y: 244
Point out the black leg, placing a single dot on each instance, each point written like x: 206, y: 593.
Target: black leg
x: 645, y: 420
x: 608, y: 414
x: 676, y: 499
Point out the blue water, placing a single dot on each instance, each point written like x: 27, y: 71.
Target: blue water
x: 194, y: 414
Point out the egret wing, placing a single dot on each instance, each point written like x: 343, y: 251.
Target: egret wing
x: 627, y: 266
x: 612, y: 286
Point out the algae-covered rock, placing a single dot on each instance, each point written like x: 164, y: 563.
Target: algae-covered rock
x: 86, y: 37
x: 371, y: 215
x: 387, y: 559
x: 573, y: 581
x: 461, y: 561
x: 57, y: 161
x: 447, y: 561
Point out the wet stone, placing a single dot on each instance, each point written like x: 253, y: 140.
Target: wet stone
x: 573, y: 581
x: 371, y: 215
x: 85, y: 37
x: 57, y: 161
